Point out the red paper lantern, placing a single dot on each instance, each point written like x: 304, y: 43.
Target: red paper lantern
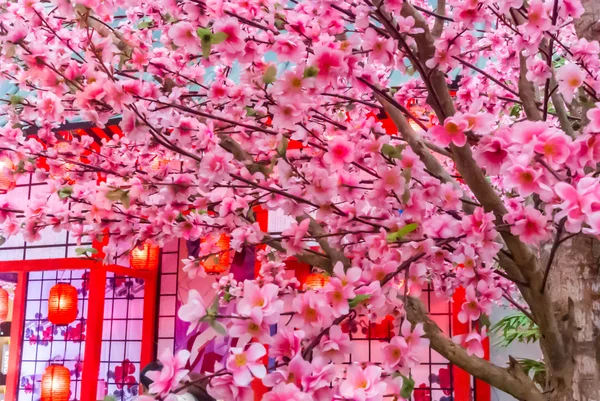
x: 218, y: 263
x: 56, y: 384
x: 316, y: 281
x: 62, y: 304
x: 3, y: 305
x: 7, y: 180
x: 145, y: 257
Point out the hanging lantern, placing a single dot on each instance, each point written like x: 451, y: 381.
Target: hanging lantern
x: 218, y: 263
x: 420, y: 112
x: 62, y: 304
x: 316, y: 281
x: 56, y: 384
x: 7, y: 181
x: 3, y: 305
x: 145, y: 257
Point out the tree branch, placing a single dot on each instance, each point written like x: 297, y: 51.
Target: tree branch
x: 511, y: 380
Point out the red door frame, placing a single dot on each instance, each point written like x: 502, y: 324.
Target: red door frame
x: 95, y: 318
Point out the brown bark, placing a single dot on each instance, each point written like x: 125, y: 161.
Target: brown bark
x: 588, y: 25
x: 574, y: 287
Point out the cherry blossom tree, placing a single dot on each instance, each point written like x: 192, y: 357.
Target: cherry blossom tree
x: 227, y: 106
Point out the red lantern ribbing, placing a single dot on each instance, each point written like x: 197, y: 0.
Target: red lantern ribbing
x: 218, y: 263
x: 316, y: 281
x: 62, y: 304
x: 145, y: 257
x: 56, y: 384
x: 3, y: 305
x: 7, y: 181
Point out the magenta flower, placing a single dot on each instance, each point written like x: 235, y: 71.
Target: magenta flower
x: 260, y: 302
x: 472, y: 342
x: 172, y: 373
x: 452, y: 131
x: 570, y: 77
x: 336, y: 345
x: 245, y: 364
x: 363, y: 385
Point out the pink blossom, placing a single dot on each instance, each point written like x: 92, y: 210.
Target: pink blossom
x: 491, y: 153
x: 336, y: 345
x: 341, y: 152
x: 183, y: 34
x: 577, y: 201
x: 472, y: 342
x: 286, y: 343
x: 194, y: 309
x: 313, y: 311
x: 531, y: 226
x: 286, y: 392
x: 289, y: 48
x: 260, y: 302
x: 224, y: 388
x: 340, y: 288
x: 234, y: 43
x: 594, y: 224
x: 245, y: 364
x: 363, y: 385
x: 570, y: 77
x: 594, y: 116
x: 393, y: 353
x: 193, y: 268
x: 538, y: 20
x: 171, y: 374
x: 294, y: 237
x: 554, y: 147
x: 382, y: 49
x: 470, y: 309
x: 452, y: 131
x: 538, y: 70
x: 523, y: 178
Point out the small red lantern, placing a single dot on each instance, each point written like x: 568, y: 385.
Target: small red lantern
x: 145, y: 257
x: 218, y: 263
x: 62, y: 304
x: 56, y: 384
x: 316, y: 281
x: 3, y: 305
x: 7, y: 180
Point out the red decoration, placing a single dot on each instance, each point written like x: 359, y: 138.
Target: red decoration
x: 56, y: 384
x: 62, y: 304
x: 7, y: 181
x: 3, y: 305
x: 145, y: 257
x: 218, y: 263
x: 316, y: 281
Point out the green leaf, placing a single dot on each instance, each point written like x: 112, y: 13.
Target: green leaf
x: 394, y: 152
x: 204, y: 34
x: 109, y: 398
x: 516, y: 327
x: 119, y: 195
x: 406, y: 173
x: 218, y: 327
x: 65, y: 192
x: 218, y: 37
x: 145, y: 23
x: 270, y: 74
x: 16, y: 99
x: 311, y: 72
x: 206, y: 49
x: 408, y: 385
x: 484, y: 320
x: 515, y: 111
x: 407, y: 229
x: 358, y: 299
x: 282, y: 147
x: 83, y: 251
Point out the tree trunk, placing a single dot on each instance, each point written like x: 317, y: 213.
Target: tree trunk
x: 574, y: 287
